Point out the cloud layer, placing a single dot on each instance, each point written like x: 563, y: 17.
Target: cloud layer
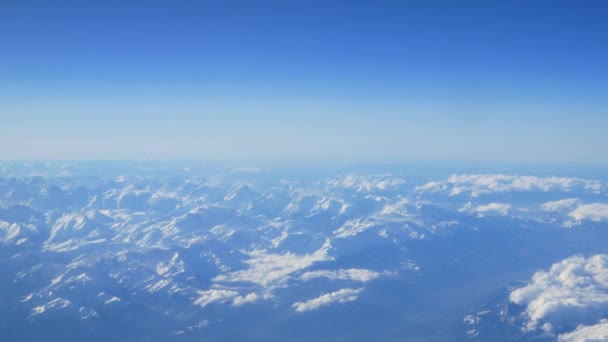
x: 355, y: 274
x: 478, y: 184
x: 587, y: 333
x: 595, y: 212
x: 572, y: 291
x: 487, y: 209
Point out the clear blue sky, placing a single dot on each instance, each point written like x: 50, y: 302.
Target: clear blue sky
x: 378, y: 80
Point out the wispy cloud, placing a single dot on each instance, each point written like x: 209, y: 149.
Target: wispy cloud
x: 214, y: 296
x: 340, y: 296
x: 354, y: 274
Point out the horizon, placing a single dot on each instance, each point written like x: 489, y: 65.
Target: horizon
x: 321, y: 162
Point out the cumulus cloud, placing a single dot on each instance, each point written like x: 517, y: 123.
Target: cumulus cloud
x: 478, y: 184
x: 561, y: 205
x: 355, y: 274
x: 270, y: 270
x: 340, y: 296
x: 214, y: 296
x: 595, y: 212
x: 572, y: 291
x: 491, y: 208
x: 250, y: 298
x: 586, y: 333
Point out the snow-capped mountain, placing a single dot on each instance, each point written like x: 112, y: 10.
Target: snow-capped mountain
x: 140, y: 252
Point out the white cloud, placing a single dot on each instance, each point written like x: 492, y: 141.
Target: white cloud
x: 587, y: 333
x: 564, y: 204
x: 341, y: 296
x: 477, y: 184
x: 250, y: 298
x: 356, y: 274
x: 481, y: 210
x: 112, y: 300
x: 270, y: 270
x: 573, y: 291
x: 214, y: 295
x: 595, y: 212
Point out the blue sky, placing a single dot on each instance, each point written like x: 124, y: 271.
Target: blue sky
x: 377, y: 80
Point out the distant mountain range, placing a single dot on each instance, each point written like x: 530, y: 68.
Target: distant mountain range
x: 154, y: 252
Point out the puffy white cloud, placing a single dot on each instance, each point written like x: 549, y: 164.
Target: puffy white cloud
x: 477, y: 184
x: 572, y: 291
x: 484, y: 209
x: 214, y: 295
x: 564, y: 204
x: 250, y: 298
x: 595, y: 212
x: 356, y: 274
x: 587, y: 333
x: 270, y: 270
x: 340, y: 296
